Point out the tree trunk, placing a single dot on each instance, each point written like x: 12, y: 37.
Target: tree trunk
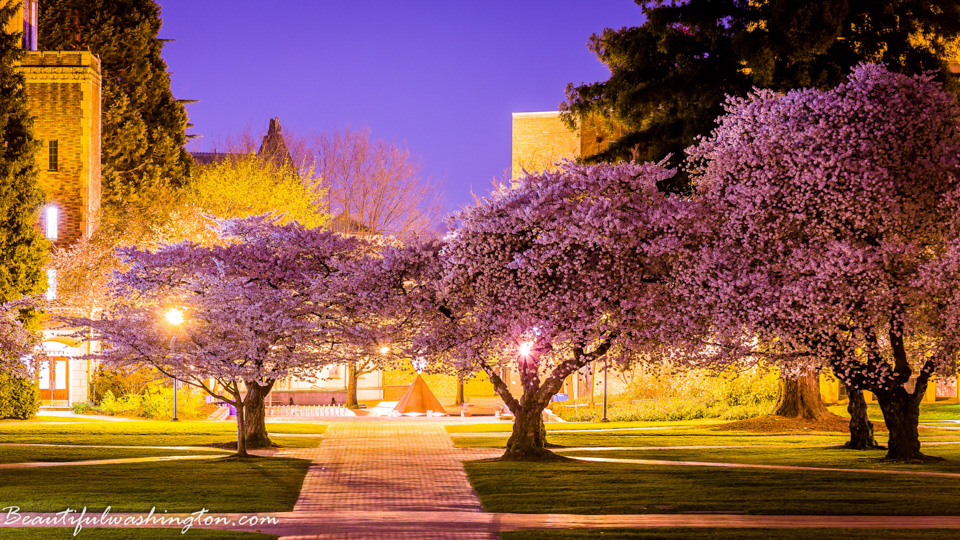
x: 901, y: 413
x: 241, y: 441
x: 529, y: 439
x: 352, y: 386
x: 800, y: 398
x: 593, y: 375
x: 255, y: 414
x: 861, y: 429
x: 460, y: 398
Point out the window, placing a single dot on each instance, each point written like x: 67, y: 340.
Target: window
x: 51, y: 285
x: 52, y: 219
x: 52, y: 154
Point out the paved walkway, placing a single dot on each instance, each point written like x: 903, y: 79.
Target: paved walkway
x: 387, y: 467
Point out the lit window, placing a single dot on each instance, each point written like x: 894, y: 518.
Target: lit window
x: 51, y: 285
x: 53, y: 147
x: 52, y: 219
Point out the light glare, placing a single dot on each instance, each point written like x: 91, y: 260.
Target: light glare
x: 52, y: 222
x: 174, y: 316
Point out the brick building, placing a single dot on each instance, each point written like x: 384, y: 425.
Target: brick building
x: 541, y: 139
x: 63, y: 94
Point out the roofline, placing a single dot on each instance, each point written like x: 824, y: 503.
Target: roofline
x: 535, y: 114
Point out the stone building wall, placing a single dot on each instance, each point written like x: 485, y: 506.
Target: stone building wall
x: 63, y: 93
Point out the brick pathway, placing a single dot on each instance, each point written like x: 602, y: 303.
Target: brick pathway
x: 365, y: 471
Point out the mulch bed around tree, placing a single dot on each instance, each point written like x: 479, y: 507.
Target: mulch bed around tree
x: 782, y: 424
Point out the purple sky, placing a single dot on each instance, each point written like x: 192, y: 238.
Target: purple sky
x: 440, y: 77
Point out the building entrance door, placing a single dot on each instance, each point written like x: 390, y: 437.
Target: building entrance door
x: 52, y: 377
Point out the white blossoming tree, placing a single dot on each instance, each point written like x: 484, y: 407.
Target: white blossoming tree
x: 819, y: 211
x: 254, y: 310
x: 16, y: 342
x: 548, y: 275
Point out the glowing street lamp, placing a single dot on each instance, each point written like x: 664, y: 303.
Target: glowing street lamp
x: 175, y: 317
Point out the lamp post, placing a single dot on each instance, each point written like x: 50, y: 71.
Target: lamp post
x: 175, y: 317
x: 605, y: 365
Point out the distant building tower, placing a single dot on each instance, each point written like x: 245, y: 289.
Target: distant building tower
x: 63, y: 95
x: 274, y: 147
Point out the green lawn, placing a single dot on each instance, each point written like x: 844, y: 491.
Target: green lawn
x: 688, y: 436
x: 832, y: 457
x: 692, y: 436
x: 928, y: 411
x: 728, y: 534
x: 146, y: 433
x: 220, y: 485
x: 603, y: 488
x: 565, y: 426
x: 46, y: 533
x: 50, y: 419
x: 22, y: 454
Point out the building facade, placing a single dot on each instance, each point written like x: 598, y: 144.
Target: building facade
x: 63, y: 95
x: 540, y: 140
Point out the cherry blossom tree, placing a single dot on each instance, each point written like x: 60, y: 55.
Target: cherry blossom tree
x: 819, y: 209
x: 546, y: 276
x: 375, y: 320
x: 254, y: 310
x: 16, y: 342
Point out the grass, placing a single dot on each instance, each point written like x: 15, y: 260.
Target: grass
x: 692, y: 436
x: 604, y: 488
x: 554, y: 426
x: 22, y: 454
x: 726, y: 534
x: 146, y: 433
x: 50, y: 419
x: 929, y: 412
x: 687, y: 435
x: 832, y: 457
x: 220, y: 485
x: 49, y: 533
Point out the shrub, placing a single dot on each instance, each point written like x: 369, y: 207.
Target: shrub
x: 120, y: 382
x: 155, y: 402
x: 81, y: 407
x: 665, y: 393
x: 19, y: 397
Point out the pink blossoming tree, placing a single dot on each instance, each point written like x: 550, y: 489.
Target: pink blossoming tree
x: 375, y: 324
x: 255, y: 309
x: 546, y: 276
x: 819, y: 212
x: 16, y: 342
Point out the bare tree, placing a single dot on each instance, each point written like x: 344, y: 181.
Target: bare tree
x: 374, y: 186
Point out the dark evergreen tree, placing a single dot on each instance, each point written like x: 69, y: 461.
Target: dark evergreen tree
x: 144, y: 127
x: 22, y: 248
x: 669, y: 77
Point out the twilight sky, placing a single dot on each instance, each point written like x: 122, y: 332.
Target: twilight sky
x: 440, y: 77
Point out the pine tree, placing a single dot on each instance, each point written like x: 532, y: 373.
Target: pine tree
x: 144, y: 127
x: 22, y: 248
x: 669, y: 77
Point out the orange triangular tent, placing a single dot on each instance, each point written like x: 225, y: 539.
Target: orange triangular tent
x: 419, y: 399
